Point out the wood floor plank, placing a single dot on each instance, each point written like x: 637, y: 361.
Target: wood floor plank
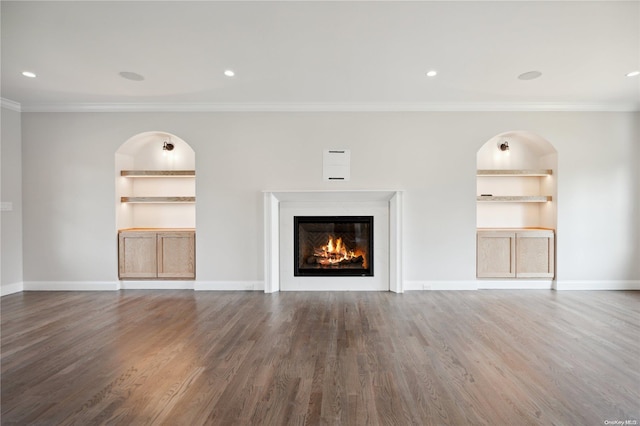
x: 246, y: 358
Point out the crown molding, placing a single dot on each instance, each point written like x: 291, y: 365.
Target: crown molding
x: 9, y: 104
x: 325, y: 107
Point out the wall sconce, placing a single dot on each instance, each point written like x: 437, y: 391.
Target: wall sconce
x: 504, y: 146
x: 168, y: 146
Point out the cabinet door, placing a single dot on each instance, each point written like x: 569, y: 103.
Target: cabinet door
x: 535, y: 254
x: 176, y: 255
x: 496, y: 254
x: 137, y: 255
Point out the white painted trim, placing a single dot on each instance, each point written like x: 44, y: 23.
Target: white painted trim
x: 450, y: 285
x: 260, y: 285
x: 229, y: 286
x: 156, y: 285
x: 339, y: 195
x: 522, y: 285
x: 71, y: 286
x: 12, y: 288
x: 395, y: 244
x: 271, y: 246
x: 271, y: 208
x: 598, y: 285
x: 414, y: 285
x: 133, y: 285
x: 519, y: 284
x: 9, y: 104
x: 328, y: 107
x: 440, y: 285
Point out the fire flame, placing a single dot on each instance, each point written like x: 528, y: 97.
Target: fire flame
x: 335, y: 252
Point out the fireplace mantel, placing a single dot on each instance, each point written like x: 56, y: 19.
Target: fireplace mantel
x: 272, y: 204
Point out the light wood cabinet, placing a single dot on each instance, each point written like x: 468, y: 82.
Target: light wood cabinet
x: 137, y: 255
x: 155, y: 253
x: 517, y: 253
x: 496, y: 254
x: 535, y: 253
x: 176, y: 254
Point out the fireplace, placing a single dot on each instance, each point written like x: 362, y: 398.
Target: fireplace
x: 329, y: 246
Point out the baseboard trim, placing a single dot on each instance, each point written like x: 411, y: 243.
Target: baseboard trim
x: 12, y: 288
x: 439, y: 285
x: 413, y: 285
x: 156, y: 285
x: 515, y: 284
x: 598, y: 285
x: 71, y: 286
x: 229, y: 286
x: 507, y: 284
x: 133, y: 285
x: 259, y: 285
x: 451, y: 285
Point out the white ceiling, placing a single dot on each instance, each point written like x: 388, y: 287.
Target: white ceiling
x: 325, y: 55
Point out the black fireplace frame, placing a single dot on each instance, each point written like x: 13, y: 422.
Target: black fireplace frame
x: 331, y: 271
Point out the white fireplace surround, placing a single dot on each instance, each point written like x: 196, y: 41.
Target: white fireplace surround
x: 273, y: 201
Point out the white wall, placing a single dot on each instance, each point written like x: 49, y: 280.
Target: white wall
x: 11, y: 227
x: 598, y: 191
x: 68, y: 168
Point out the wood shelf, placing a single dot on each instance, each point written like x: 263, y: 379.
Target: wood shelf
x: 158, y: 199
x: 155, y: 230
x: 517, y: 229
x: 158, y: 173
x: 515, y: 172
x: 514, y: 198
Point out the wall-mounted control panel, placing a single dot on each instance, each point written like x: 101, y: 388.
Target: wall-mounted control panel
x: 336, y: 165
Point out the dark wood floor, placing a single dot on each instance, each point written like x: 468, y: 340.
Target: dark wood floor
x: 227, y: 358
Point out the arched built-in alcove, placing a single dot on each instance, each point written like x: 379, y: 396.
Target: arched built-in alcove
x: 155, y: 209
x: 165, y: 199
x: 527, y: 153
x: 516, y: 211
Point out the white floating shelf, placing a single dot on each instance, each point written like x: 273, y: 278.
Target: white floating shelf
x: 158, y: 173
x: 516, y: 172
x: 158, y: 199
x: 514, y: 198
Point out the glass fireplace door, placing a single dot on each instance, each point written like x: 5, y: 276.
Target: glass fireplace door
x: 333, y: 246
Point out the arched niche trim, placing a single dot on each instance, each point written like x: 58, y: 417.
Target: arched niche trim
x: 527, y: 151
x: 144, y: 151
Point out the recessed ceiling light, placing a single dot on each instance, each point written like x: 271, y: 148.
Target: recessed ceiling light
x: 432, y: 73
x: 229, y: 73
x: 530, y: 75
x: 131, y: 76
x: 633, y: 73
x: 29, y: 74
